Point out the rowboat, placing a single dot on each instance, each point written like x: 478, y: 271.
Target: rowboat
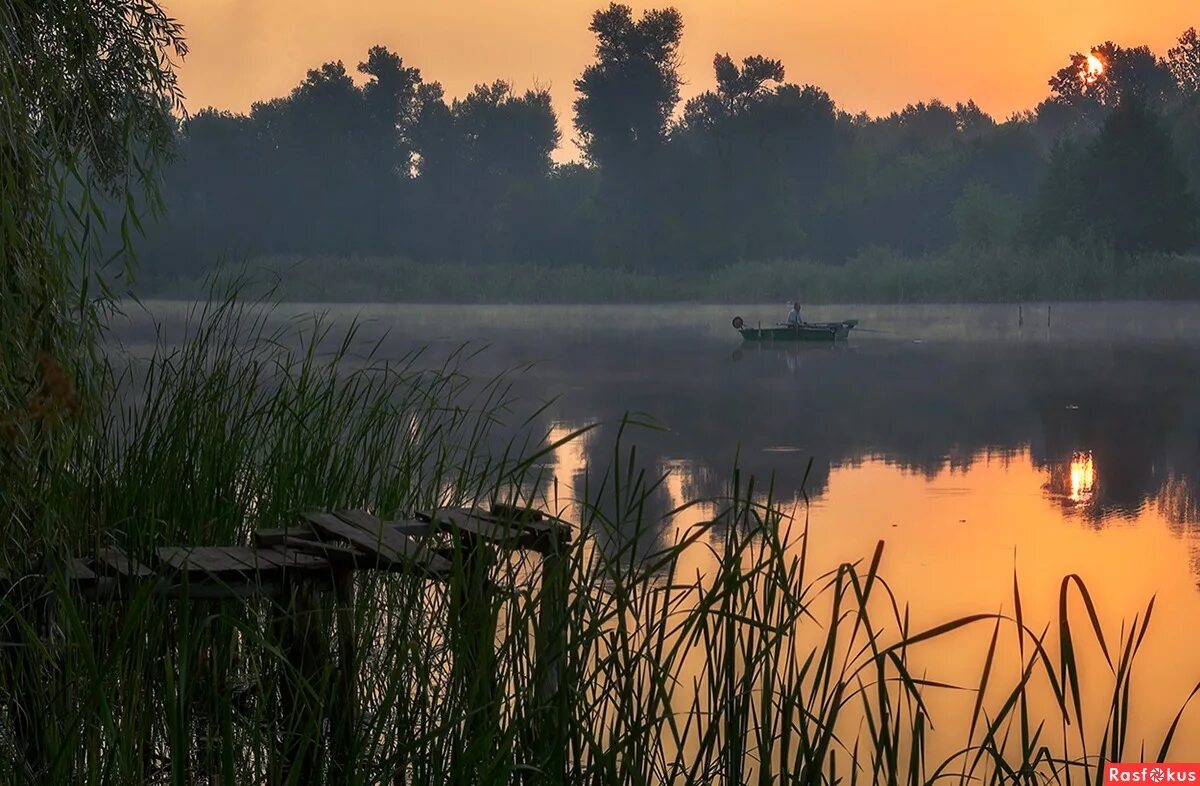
x: 807, y: 331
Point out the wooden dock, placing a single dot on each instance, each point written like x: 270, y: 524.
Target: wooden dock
x: 322, y: 544
x: 298, y: 569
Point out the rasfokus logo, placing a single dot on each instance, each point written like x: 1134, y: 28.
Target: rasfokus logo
x: 1137, y: 772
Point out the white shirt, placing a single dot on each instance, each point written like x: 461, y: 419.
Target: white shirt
x: 794, y: 317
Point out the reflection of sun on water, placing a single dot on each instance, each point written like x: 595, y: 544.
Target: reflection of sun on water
x: 1083, y: 477
x: 953, y: 538
x: 569, y: 464
x: 957, y: 541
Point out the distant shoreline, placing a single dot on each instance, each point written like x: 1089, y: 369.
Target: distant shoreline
x: 1063, y: 273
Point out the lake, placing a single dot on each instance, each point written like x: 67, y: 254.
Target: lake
x: 979, y: 442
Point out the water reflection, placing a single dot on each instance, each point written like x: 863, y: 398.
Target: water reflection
x: 1108, y: 425
x: 974, y: 448
x: 1074, y: 482
x: 1083, y: 478
x: 1105, y: 405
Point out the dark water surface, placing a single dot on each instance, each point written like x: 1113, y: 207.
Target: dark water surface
x: 976, y: 440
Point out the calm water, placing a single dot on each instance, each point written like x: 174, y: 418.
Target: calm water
x: 974, y: 440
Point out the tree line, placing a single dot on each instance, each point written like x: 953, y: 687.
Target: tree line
x: 757, y: 167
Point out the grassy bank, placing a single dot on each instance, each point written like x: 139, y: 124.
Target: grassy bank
x: 989, y: 274
x: 762, y: 666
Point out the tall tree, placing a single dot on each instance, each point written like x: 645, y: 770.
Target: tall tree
x: 1184, y: 62
x: 627, y: 96
x: 754, y: 152
x: 391, y: 97
x: 482, y: 158
x: 739, y: 88
x: 1126, y: 187
x: 507, y: 135
x: 1090, y: 86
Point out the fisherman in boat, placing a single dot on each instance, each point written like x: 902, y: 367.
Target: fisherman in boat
x: 793, y: 318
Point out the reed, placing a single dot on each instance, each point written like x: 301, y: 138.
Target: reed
x: 617, y: 661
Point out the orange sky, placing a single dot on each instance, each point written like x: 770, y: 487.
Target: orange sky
x: 873, y: 55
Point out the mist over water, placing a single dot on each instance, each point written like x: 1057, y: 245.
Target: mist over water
x: 1100, y: 404
x: 977, y: 441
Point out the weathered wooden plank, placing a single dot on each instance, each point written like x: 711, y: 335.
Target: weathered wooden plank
x: 174, y: 557
x: 274, y: 536
x: 414, y: 528
x: 214, y: 560
x: 415, y: 554
x: 469, y: 524
x: 534, y: 519
x: 510, y: 516
x: 378, y: 543
x: 262, y: 563
x: 113, y: 559
x: 79, y: 570
x: 321, y: 550
x: 298, y: 560
x: 265, y: 558
x: 551, y: 534
x: 282, y: 557
x: 506, y: 511
x: 543, y: 534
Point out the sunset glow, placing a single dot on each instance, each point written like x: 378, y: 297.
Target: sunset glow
x: 242, y: 52
x: 1095, y: 67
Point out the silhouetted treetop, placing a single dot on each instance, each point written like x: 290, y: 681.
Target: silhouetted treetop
x: 1184, y: 62
x: 926, y: 125
x: 740, y: 87
x: 507, y: 134
x: 1091, y: 85
x: 970, y: 119
x: 627, y: 96
x: 392, y: 97
x: 753, y: 168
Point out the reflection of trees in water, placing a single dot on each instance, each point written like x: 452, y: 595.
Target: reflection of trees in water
x: 1179, y: 503
x: 922, y: 407
x: 1131, y: 414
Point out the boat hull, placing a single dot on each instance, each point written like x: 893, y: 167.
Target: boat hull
x: 810, y: 331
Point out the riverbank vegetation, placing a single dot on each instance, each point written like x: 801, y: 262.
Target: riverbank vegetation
x: 760, y: 170
x: 1061, y: 272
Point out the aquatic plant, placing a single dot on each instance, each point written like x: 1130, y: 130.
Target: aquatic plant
x: 717, y: 653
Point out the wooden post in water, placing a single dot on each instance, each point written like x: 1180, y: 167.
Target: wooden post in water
x: 1020, y: 316
x: 474, y: 647
x: 343, y: 700
x: 305, y: 649
x: 550, y: 665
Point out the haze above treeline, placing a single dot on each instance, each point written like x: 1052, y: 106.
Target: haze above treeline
x: 380, y: 184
